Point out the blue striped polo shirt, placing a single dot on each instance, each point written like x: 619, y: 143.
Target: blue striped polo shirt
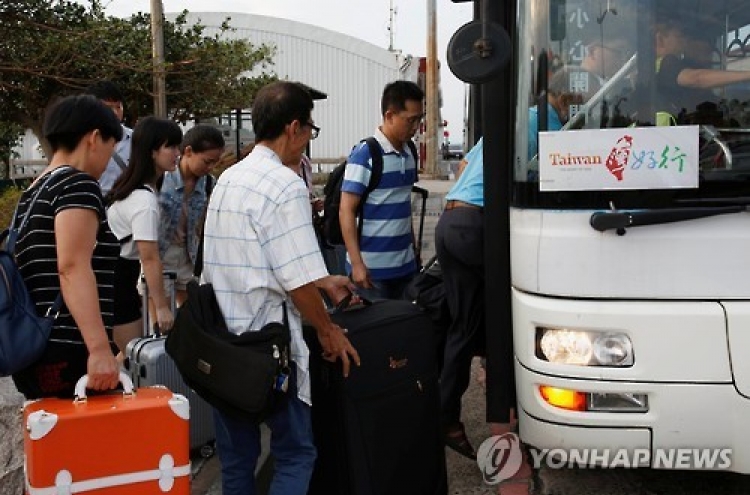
x: 387, y: 240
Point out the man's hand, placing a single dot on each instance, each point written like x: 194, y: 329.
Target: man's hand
x: 337, y: 288
x: 337, y: 346
x: 361, y: 276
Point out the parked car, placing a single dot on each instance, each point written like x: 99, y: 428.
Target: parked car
x: 453, y: 151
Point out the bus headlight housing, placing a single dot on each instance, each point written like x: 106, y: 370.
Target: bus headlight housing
x: 584, y: 347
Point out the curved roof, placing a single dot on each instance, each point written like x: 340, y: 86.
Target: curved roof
x: 266, y: 26
x: 350, y: 71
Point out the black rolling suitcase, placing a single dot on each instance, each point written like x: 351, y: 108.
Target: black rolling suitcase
x: 378, y: 431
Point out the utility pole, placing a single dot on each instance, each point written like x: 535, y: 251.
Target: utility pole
x: 391, y: 14
x: 431, y: 95
x: 157, y: 44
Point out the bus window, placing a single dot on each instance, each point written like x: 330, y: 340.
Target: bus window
x: 637, y: 63
x: 588, y: 85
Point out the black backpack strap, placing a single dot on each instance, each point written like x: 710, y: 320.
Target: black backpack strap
x: 415, y: 155
x: 129, y: 237
x: 376, y: 153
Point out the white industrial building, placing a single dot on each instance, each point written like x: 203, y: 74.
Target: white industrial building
x: 351, y: 72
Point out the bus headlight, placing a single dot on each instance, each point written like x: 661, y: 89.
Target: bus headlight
x: 584, y: 348
x: 613, y: 349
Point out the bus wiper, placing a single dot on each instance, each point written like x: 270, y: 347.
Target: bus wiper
x: 620, y: 220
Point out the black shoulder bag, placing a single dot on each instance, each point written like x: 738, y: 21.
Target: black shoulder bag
x: 243, y: 376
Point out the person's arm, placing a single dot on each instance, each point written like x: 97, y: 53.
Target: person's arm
x: 348, y: 221
x: 461, y: 167
x: 75, y: 237
x: 148, y: 252
x: 710, y: 78
x: 332, y: 337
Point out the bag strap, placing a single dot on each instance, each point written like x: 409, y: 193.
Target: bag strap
x: 119, y: 161
x: 376, y: 154
x: 129, y: 237
x: 198, y: 268
x: 285, y: 318
x: 14, y: 233
x: 415, y: 155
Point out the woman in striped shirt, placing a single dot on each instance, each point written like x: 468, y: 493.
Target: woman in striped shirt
x: 67, y: 248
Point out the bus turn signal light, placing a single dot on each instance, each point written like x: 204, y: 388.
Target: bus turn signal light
x: 563, y: 398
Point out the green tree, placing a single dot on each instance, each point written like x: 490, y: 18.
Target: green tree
x: 50, y: 49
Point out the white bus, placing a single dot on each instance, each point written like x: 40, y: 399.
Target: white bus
x: 628, y: 228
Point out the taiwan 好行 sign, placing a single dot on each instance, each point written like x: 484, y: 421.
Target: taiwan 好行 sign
x: 628, y: 158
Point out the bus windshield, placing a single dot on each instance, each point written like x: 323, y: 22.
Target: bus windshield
x: 632, y: 64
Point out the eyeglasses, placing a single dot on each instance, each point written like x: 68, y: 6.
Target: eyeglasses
x: 413, y: 120
x: 315, y: 130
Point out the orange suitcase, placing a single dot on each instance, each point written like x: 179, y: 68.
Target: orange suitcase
x: 113, y: 444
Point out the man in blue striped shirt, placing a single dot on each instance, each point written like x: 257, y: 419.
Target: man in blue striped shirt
x: 382, y: 260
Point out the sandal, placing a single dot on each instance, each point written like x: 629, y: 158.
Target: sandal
x: 455, y: 439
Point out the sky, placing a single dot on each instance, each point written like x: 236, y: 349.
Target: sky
x: 364, y: 19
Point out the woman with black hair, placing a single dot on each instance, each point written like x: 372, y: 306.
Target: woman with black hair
x: 68, y: 249
x: 134, y: 217
x: 183, y: 199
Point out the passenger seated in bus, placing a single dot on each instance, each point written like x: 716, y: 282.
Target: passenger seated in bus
x: 683, y: 83
x: 603, y: 58
x: 568, y: 89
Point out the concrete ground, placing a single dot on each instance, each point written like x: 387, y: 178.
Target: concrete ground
x: 464, y: 476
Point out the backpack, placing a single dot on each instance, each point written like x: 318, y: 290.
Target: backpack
x: 332, y: 191
x: 23, y: 334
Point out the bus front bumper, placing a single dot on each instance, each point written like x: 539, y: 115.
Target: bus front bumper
x: 681, y: 416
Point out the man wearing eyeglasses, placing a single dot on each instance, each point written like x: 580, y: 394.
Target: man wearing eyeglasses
x: 110, y: 95
x: 262, y: 257
x: 382, y: 260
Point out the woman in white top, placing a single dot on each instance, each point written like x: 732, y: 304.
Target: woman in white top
x: 134, y: 218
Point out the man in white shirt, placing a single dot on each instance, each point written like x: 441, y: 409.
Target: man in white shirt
x: 260, y: 251
x: 110, y: 95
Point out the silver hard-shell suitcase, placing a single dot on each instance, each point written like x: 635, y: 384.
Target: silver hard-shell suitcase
x: 148, y: 364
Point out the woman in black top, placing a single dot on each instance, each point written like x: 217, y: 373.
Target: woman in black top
x: 67, y: 247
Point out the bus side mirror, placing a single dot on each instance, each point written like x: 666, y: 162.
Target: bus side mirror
x: 478, y: 51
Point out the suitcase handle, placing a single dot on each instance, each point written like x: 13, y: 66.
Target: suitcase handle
x: 345, y: 304
x: 82, y: 383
